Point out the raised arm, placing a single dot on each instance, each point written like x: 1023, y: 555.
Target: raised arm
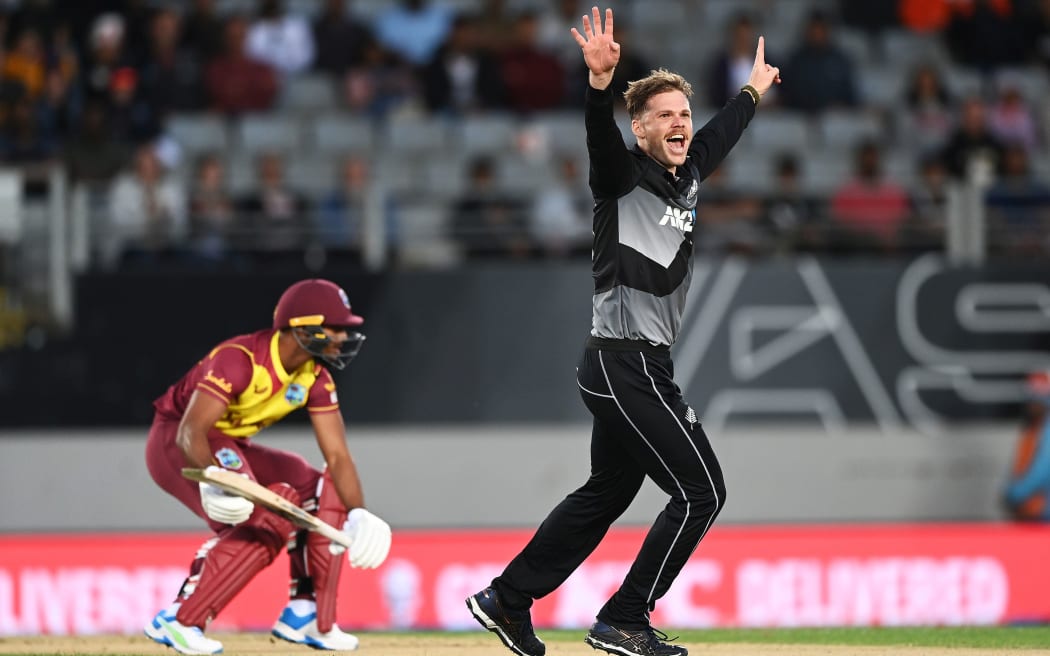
x: 717, y: 137
x: 612, y: 167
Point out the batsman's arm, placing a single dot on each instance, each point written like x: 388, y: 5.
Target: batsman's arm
x: 201, y: 414
x: 331, y: 439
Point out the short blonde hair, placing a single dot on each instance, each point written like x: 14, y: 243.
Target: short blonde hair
x: 658, y: 81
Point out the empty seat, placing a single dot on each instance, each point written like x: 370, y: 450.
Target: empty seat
x: 444, y: 178
x: 198, y: 133
x: 781, y: 130
x: 334, y: 133
x: 259, y: 132
x: 308, y: 93
x: 844, y: 129
x: 492, y: 133
x: 314, y: 175
x: 881, y: 86
x: 747, y: 171
x: 416, y: 135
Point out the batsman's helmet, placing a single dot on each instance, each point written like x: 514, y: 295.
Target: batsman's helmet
x: 311, y: 304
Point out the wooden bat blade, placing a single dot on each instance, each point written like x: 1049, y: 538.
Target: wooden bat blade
x: 242, y: 486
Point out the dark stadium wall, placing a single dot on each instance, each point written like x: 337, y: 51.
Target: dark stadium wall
x: 907, y: 343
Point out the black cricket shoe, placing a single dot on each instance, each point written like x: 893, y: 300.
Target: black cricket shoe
x: 514, y: 627
x: 643, y: 642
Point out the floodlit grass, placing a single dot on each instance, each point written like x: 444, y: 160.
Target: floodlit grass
x: 977, y: 637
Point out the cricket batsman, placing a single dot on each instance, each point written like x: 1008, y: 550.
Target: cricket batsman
x: 209, y: 418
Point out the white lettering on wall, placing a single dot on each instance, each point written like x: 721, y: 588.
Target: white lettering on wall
x: 876, y: 591
x: 456, y: 582
x: 84, y: 600
x: 697, y: 581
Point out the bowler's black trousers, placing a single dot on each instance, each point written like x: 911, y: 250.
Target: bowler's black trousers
x: 642, y: 427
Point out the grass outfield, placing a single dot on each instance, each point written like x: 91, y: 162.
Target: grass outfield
x: 977, y: 637
x: 914, y: 641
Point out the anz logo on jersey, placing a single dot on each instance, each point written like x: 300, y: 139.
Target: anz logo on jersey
x: 681, y: 219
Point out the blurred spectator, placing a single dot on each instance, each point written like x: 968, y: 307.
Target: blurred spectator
x: 25, y: 65
x: 818, y: 74
x: 728, y: 222
x: 341, y: 217
x: 131, y: 117
x: 535, y: 79
x: 972, y: 150
x: 92, y: 155
x: 984, y: 34
x: 40, y: 16
x: 1036, y: 22
x: 106, y: 55
x: 790, y: 215
x: 202, y: 30
x: 561, y: 212
x: 1011, y: 120
x: 555, y: 21
x: 462, y: 77
x: 1027, y: 491
x: 282, y: 40
x: 485, y: 220
x: 147, y: 211
x: 340, y: 39
x: 495, y: 23
x: 24, y: 138
x: 1018, y: 207
x: 632, y: 67
x: 928, y: 105
x: 869, y: 210
x: 211, y: 211
x: 171, y: 77
x: 64, y: 69
x: 383, y: 84
x: 730, y: 68
x: 925, y: 230
x: 414, y: 29
x: 924, y: 16
x: 236, y: 83
x: 274, y: 215
x: 872, y: 17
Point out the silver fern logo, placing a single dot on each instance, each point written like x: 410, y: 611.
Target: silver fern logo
x: 690, y: 416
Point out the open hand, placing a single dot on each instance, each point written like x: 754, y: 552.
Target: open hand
x: 763, y: 75
x: 600, y: 52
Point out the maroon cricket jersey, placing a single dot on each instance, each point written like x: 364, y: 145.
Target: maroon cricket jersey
x: 246, y: 374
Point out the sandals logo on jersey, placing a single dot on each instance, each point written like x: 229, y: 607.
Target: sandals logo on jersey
x: 295, y: 394
x: 229, y: 458
x: 676, y: 218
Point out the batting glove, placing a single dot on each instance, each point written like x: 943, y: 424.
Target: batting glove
x: 223, y: 507
x: 369, y: 539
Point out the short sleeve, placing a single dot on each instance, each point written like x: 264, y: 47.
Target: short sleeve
x: 323, y: 397
x: 225, y: 373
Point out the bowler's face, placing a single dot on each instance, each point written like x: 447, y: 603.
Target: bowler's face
x: 665, y: 129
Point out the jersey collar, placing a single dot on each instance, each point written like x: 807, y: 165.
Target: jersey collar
x: 275, y: 357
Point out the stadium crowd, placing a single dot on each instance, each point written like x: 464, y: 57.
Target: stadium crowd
x: 459, y: 122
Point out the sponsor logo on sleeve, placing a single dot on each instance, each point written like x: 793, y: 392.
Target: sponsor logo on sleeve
x: 229, y: 458
x: 218, y: 381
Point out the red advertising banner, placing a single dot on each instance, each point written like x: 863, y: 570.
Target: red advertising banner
x: 740, y: 576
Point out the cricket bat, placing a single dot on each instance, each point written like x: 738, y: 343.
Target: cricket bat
x: 242, y: 486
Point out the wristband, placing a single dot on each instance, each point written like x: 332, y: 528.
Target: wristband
x: 753, y: 92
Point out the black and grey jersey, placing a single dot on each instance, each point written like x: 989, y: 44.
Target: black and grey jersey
x: 644, y: 218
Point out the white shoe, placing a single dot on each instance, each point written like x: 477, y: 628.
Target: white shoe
x: 167, y: 630
x: 302, y: 629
